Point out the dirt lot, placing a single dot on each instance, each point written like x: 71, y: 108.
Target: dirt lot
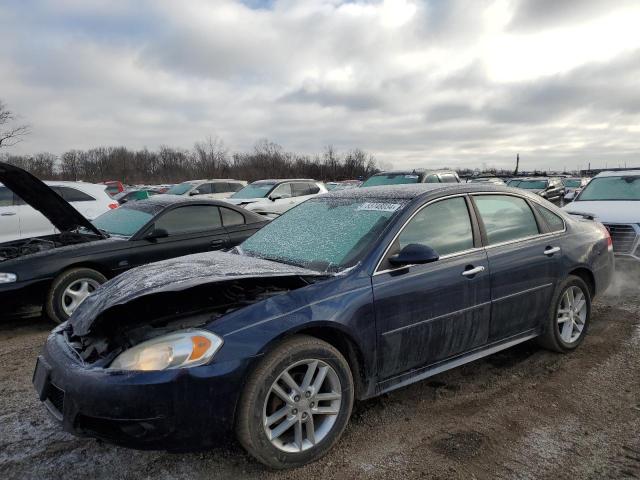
x: 524, y: 413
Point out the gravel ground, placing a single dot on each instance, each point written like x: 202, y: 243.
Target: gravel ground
x: 523, y: 413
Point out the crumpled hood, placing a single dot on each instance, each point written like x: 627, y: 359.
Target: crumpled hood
x: 619, y: 211
x: 37, y: 194
x: 175, y: 275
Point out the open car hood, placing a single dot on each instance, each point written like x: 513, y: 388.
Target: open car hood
x: 161, y: 279
x: 38, y: 195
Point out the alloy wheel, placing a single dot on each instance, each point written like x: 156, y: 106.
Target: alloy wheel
x: 302, y: 405
x: 572, y: 314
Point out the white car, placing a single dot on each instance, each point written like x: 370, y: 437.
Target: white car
x: 274, y: 197
x: 217, y: 188
x: 613, y: 198
x: 20, y: 220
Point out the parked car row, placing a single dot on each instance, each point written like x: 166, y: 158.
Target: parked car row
x: 347, y: 296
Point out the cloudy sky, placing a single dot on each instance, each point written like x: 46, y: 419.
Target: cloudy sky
x: 418, y: 83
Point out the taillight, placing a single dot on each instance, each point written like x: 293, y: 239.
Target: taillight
x: 114, y: 205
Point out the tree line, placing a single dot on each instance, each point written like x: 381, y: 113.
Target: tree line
x: 207, y: 159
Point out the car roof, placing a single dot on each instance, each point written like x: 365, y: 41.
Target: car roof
x: 212, y: 180
x: 168, y: 200
x: 283, y: 180
x: 163, y: 201
x: 532, y: 178
x: 416, y: 190
x: 413, y: 171
x: 619, y: 173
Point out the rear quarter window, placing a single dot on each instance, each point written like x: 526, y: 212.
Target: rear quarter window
x: 231, y: 217
x: 72, y: 194
x: 555, y: 222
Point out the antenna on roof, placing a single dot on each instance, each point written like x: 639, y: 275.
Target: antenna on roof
x: 515, y: 172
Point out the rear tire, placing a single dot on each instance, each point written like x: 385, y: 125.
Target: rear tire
x: 69, y: 289
x: 306, y: 424
x: 568, y: 318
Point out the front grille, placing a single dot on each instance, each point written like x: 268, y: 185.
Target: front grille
x: 623, y: 237
x: 56, y: 397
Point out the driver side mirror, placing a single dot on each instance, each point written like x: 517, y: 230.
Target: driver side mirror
x: 156, y: 233
x: 194, y: 192
x: 279, y: 196
x: 414, y: 254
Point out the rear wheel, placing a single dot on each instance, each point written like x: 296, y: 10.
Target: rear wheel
x: 296, y: 403
x: 69, y: 290
x: 568, y: 318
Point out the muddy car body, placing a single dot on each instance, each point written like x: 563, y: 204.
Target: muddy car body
x: 373, y: 308
x: 57, y: 271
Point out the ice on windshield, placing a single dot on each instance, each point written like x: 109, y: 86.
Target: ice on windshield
x: 326, y: 234
x: 254, y: 190
x: 122, y: 221
x: 612, y: 188
x: 391, y: 179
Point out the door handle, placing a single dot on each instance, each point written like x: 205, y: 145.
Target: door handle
x: 473, y: 271
x: 549, y: 251
x: 7, y: 214
x: 215, y: 244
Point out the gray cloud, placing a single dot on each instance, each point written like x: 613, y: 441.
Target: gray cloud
x: 412, y: 85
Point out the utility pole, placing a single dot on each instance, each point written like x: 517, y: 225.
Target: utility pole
x: 517, y: 164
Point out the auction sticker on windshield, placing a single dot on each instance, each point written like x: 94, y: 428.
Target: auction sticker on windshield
x: 379, y: 207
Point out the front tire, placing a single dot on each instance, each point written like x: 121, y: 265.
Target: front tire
x: 296, y: 403
x: 69, y: 289
x: 568, y: 318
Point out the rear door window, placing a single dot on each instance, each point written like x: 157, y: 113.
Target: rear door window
x: 444, y: 226
x: 72, y: 194
x: 191, y: 219
x: 506, y: 218
x: 300, y: 189
x: 432, y: 179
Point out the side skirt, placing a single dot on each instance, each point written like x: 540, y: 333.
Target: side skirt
x: 416, y: 375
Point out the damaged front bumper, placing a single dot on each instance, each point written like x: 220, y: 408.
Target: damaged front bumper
x: 176, y: 410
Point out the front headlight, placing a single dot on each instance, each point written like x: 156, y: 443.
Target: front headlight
x: 8, y: 277
x: 181, y: 349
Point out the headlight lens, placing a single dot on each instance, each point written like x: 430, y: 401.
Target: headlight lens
x: 181, y: 349
x: 8, y: 277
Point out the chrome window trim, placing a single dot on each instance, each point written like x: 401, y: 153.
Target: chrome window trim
x: 472, y: 250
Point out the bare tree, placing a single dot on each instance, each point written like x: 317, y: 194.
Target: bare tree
x: 10, y: 133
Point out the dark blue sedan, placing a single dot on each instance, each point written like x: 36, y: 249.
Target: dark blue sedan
x: 347, y: 296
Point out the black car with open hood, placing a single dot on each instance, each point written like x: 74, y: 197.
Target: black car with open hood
x: 57, y: 272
